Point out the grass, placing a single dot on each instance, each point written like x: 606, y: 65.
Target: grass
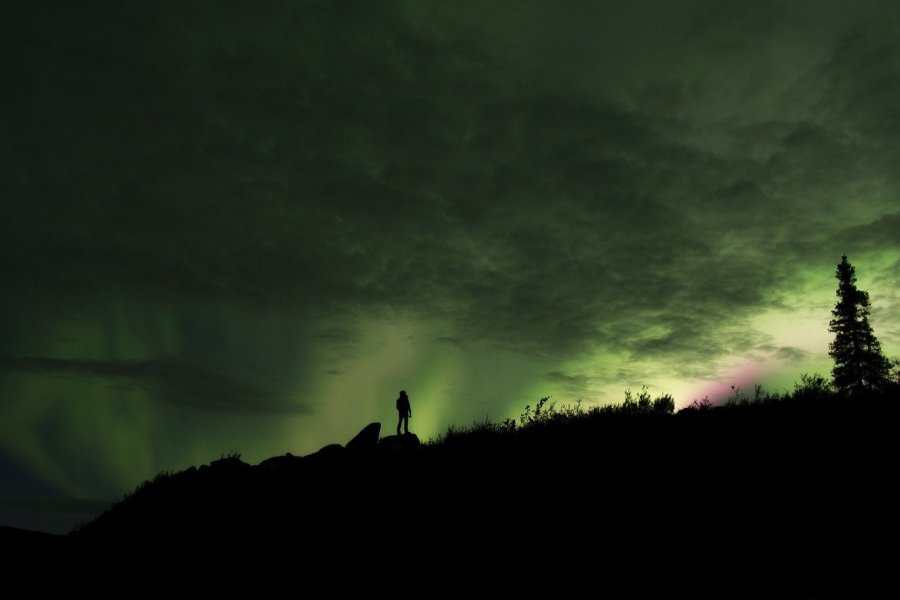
x: 812, y: 394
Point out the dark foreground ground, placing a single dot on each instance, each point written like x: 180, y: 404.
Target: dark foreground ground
x: 776, y: 501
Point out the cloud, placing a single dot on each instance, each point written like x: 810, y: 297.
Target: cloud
x: 573, y: 385
x: 453, y: 342
x: 875, y: 236
x: 791, y: 354
x: 167, y: 381
x: 347, y: 161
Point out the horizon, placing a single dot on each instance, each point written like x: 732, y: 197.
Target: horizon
x: 245, y: 231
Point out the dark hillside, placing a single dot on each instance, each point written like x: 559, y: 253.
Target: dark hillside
x: 783, y: 498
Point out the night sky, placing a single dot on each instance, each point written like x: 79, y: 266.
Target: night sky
x: 245, y: 226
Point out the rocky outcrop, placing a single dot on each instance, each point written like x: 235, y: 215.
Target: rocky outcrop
x: 281, y: 462
x: 365, y: 440
x: 400, y: 443
x: 330, y: 454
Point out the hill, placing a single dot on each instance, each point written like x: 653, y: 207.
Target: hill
x: 790, y: 497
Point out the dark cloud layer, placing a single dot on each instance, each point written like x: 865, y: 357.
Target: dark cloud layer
x: 167, y: 381
x: 355, y: 156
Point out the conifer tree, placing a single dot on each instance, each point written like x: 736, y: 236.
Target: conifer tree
x: 859, y: 364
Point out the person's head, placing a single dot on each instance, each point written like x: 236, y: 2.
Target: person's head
x: 403, y: 393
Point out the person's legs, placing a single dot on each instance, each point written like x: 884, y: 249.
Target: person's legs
x: 399, y: 421
x: 406, y: 423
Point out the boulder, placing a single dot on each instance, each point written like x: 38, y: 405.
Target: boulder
x: 327, y: 455
x: 229, y: 464
x: 367, y: 439
x: 400, y: 443
x: 280, y: 462
x: 330, y: 450
x: 226, y: 471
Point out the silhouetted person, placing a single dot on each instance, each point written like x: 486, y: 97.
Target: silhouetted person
x: 405, y: 412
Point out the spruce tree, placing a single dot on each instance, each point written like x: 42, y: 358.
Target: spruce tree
x: 859, y: 364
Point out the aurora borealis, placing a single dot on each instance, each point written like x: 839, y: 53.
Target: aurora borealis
x: 244, y: 227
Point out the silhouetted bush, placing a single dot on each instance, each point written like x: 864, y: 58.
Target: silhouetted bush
x: 813, y: 387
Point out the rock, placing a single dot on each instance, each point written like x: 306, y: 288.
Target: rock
x: 330, y: 449
x: 327, y: 455
x: 226, y: 471
x: 367, y: 439
x: 229, y: 464
x: 400, y: 443
x: 280, y: 462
